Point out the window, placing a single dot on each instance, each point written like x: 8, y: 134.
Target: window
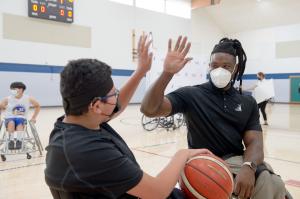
x: 180, y: 8
x: 126, y: 2
x: 154, y: 5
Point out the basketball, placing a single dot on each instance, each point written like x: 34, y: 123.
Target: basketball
x: 206, y: 176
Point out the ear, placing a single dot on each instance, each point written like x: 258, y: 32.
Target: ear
x: 236, y: 68
x: 96, y: 107
x: 208, y: 69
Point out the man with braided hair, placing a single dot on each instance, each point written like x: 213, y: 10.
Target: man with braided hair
x: 86, y: 158
x: 220, y: 119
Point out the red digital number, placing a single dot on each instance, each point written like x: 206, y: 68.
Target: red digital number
x: 62, y: 12
x: 43, y: 9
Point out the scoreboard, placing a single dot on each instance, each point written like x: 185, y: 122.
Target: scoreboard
x: 56, y: 10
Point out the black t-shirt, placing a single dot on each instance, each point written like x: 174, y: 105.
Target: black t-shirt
x: 90, y: 163
x: 216, y: 119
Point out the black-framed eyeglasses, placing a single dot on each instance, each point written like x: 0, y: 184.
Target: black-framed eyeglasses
x: 104, y: 98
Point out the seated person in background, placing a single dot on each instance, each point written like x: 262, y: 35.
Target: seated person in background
x: 86, y: 157
x: 16, y: 108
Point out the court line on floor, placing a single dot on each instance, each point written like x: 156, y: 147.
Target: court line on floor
x: 152, y: 153
x: 294, y: 183
x: 125, y: 121
x: 281, y: 134
x: 20, y: 167
x: 282, y: 129
x: 17, y: 160
x: 283, y: 160
x: 37, y: 164
x: 140, y: 150
x: 154, y: 145
x: 274, y: 158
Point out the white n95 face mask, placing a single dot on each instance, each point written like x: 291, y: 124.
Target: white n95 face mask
x: 220, y: 77
x: 14, y: 92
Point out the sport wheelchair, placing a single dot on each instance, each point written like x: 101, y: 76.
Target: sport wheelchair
x: 30, y: 141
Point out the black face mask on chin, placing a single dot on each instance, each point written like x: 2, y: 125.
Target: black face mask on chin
x: 116, y: 109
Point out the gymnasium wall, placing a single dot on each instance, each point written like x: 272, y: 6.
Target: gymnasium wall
x: 274, y: 51
x: 35, y: 50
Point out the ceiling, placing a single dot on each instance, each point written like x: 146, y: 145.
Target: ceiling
x: 234, y: 16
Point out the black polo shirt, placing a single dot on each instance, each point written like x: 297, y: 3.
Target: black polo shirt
x: 85, y: 163
x: 216, y: 119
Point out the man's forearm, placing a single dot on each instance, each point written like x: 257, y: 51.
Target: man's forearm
x: 254, y: 152
x: 36, y: 112
x: 155, y: 95
x: 129, y: 88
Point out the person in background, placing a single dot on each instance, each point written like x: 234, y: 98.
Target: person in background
x: 261, y: 105
x: 16, y: 108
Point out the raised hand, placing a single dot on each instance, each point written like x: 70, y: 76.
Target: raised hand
x: 144, y: 57
x: 176, y: 58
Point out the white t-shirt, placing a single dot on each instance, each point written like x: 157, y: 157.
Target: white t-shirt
x: 17, y: 108
x: 264, y: 90
x: 260, y: 82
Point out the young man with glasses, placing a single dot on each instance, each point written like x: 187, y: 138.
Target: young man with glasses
x: 86, y: 157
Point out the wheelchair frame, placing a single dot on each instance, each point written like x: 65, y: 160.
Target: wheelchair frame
x: 30, y: 141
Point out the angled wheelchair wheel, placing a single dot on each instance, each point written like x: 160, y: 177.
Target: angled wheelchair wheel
x: 178, y: 120
x: 150, y: 124
x: 36, y: 137
x: 167, y: 122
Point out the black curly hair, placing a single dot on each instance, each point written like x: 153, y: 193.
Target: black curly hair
x: 81, y: 81
x: 18, y: 85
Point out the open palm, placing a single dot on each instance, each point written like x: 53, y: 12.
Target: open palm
x: 176, y: 58
x: 144, y: 57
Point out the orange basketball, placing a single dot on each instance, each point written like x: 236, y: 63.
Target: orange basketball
x: 206, y: 176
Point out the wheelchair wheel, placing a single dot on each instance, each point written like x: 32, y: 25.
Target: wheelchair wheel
x: 167, y: 122
x: 150, y: 124
x: 28, y: 156
x: 36, y: 137
x: 3, y: 158
x: 178, y: 120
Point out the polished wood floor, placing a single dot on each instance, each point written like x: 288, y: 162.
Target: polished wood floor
x: 21, y: 178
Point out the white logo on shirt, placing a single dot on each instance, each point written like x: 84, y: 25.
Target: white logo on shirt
x: 19, y: 109
x: 238, y: 108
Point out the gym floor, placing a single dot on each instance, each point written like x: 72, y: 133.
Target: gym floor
x: 23, y: 178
